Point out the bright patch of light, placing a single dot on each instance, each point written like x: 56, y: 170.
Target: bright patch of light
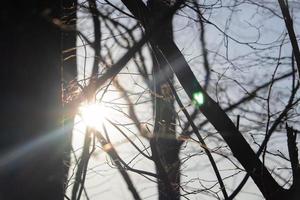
x: 198, y: 98
x: 93, y: 115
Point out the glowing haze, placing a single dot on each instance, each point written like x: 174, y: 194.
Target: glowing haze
x: 93, y: 114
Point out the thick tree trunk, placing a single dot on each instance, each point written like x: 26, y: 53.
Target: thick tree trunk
x: 32, y: 148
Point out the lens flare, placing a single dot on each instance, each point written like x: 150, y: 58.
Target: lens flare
x: 198, y: 98
x: 93, y: 115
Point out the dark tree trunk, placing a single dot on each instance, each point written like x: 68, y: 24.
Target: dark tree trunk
x: 32, y: 145
x: 166, y: 144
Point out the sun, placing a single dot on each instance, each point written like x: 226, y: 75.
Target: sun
x: 93, y: 114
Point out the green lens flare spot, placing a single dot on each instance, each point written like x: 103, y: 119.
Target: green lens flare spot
x: 198, y: 98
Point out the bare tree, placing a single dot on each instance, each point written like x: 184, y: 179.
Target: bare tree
x: 249, y: 94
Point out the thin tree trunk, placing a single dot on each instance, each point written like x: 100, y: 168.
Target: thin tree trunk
x: 164, y: 130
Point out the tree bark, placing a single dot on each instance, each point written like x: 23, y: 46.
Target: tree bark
x: 165, y: 143
x: 33, y: 148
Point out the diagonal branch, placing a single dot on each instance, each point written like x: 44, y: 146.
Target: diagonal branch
x: 116, y: 159
x: 201, y: 140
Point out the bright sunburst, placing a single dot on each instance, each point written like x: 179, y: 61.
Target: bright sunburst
x: 93, y: 115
